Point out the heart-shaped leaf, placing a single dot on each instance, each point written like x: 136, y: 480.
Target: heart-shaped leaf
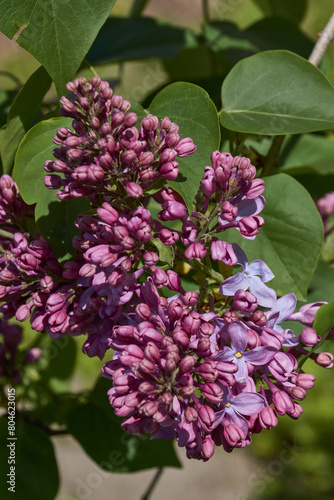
x: 57, y: 32
x: 277, y: 92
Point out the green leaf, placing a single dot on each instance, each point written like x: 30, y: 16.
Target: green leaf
x: 294, y: 11
x: 55, y: 218
x: 191, y: 108
x: 57, y: 33
x: 324, y: 321
x: 321, y: 287
x: 95, y: 426
x: 22, y: 113
x: 307, y: 153
x: 166, y: 252
x: 291, y: 238
x: 276, y: 92
x: 124, y: 39
x: 36, y: 472
x: 59, y: 358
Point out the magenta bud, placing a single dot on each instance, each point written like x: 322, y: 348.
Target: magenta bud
x: 208, y: 447
x: 208, y: 371
x: 224, y: 367
x: 234, y: 435
x: 187, y: 364
x: 168, y: 237
x: 324, y: 359
x: 206, y: 329
x: 174, y: 281
x: 146, y: 387
x: 282, y: 402
x: 305, y: 380
x: 185, y: 147
x: 207, y: 417
x: 309, y: 337
x: 268, y: 418
x: 150, y: 258
x: 150, y: 122
x: 298, y: 393
x: 181, y: 338
x: 223, y: 251
x: 191, y: 322
x: 244, y: 301
x: 152, y: 352
x: 253, y: 339
x: 169, y: 171
x: 190, y: 414
x: 134, y: 190
x: 143, y: 311
x: 190, y: 298
x: 259, y: 318
x: 212, y: 392
x: 22, y: 313
x: 195, y: 251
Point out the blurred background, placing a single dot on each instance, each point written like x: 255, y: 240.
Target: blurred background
x: 295, y: 459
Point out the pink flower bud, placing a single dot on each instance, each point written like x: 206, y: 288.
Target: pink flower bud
x: 185, y: 147
x: 305, y: 380
x: 234, y: 435
x: 207, y: 417
x: 268, y: 418
x: 282, y: 402
x: 134, y: 190
x: 309, y: 337
x: 195, y: 251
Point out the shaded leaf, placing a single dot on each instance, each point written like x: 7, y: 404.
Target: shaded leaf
x: 55, y: 219
x: 291, y: 238
x: 307, y: 153
x: 324, y: 321
x: 22, y: 113
x: 284, y: 8
x: 36, y: 472
x: 124, y: 39
x: 57, y: 33
x: 276, y: 92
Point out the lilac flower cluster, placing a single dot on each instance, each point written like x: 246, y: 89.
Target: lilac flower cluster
x: 209, y: 369
x: 107, y: 157
x: 181, y: 373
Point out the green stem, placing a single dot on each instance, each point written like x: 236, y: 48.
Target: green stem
x: 271, y: 160
x: 90, y: 67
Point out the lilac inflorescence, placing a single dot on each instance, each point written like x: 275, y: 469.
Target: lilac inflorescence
x: 106, y: 155
x: 204, y: 367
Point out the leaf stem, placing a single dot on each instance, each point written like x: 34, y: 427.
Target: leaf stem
x: 271, y: 160
x: 152, y: 485
x: 325, y: 38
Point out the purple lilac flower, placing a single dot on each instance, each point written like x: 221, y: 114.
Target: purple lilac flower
x: 249, y: 278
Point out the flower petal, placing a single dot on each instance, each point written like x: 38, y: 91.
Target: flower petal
x: 260, y: 355
x: 285, y: 307
x: 234, y: 283
x: 260, y: 268
x: 238, y: 336
x: 247, y: 208
x: 249, y: 403
x: 241, y: 256
x: 265, y: 296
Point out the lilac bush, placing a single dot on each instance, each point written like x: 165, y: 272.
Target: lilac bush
x: 204, y: 367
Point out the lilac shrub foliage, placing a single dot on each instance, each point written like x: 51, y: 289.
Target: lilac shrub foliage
x: 206, y: 367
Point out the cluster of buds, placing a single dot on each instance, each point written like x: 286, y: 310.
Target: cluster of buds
x: 181, y: 373
x: 106, y: 157
x: 209, y: 369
